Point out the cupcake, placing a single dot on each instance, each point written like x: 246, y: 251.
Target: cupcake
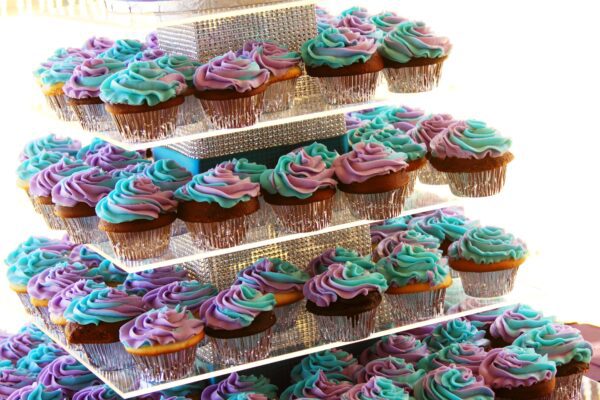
x: 338, y: 255
x: 397, y: 370
x: 236, y: 384
x: 483, y: 320
x: 466, y: 355
x: 98, y: 44
x: 190, y: 112
x: 376, y: 388
x: 42, y: 183
x: 364, y: 27
x: 12, y: 379
x: 50, y: 143
x: 424, y: 131
x: 82, y: 254
x: 31, y: 166
x: 167, y: 174
x: 123, y: 50
x: 324, y: 19
x: 565, y: 346
x: 94, y: 321
x: 317, y: 386
x: 284, y: 280
x: 300, y: 190
x: 17, y: 346
x: 487, y: 260
x: 318, y: 149
x: 36, y: 391
x: 83, y: 92
x: 386, y: 21
x: 33, y: 243
x: 413, y: 57
x: 513, y: 322
x: 244, y: 168
x: 238, y: 323
x: 284, y: 69
x: 216, y: 205
x: 40, y: 357
x: 516, y: 373
x: 336, y: 364
x: 417, y: 281
x: 148, y: 55
x: 388, y: 227
x: 92, y: 147
x: 453, y: 382
x: 345, y: 63
x: 140, y: 283
x: 473, y: 156
x: 344, y: 301
x: 75, y: 198
x: 401, y: 117
x: 67, y: 375
x: 457, y: 330
x: 137, y: 218
x: 96, y: 392
x: 188, y: 293
x: 401, y: 345
x: 444, y: 224
x: 374, y: 180
x: 392, y: 243
x: 231, y: 90
x: 163, y: 342
x: 109, y: 157
x: 143, y: 101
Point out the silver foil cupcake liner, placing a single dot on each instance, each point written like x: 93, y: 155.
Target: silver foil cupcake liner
x: 233, y: 113
x: 346, y: 328
x: 219, y: 235
x: 107, y: 356
x: 376, y: 206
x: 348, y: 89
x: 146, y: 126
x: 413, y: 79
x: 84, y: 229
x: 414, y: 307
x: 568, y: 387
x: 29, y: 308
x: 488, y: 284
x: 166, y: 367
x: 431, y: 176
x: 242, y: 350
x: 47, y: 212
x: 60, y: 106
x: 178, y: 228
x: 43, y: 314
x: 412, y: 181
x: 142, y: 244
x: 190, y: 112
x: 454, y: 273
x: 304, y: 217
x: 280, y: 95
x: 477, y: 184
x: 93, y: 117
x: 286, y: 316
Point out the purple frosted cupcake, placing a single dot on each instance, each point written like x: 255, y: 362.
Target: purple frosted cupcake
x: 236, y: 384
x: 96, y: 392
x: 231, y: 90
x: 40, y: 357
x: 467, y: 355
x: 376, y: 388
x: 410, y: 237
x: 402, y: 373
x: 188, y: 293
x: 19, y: 345
x: 338, y: 255
x: 452, y: 382
x: 83, y: 255
x: 109, y: 157
x: 61, y: 300
x: 361, y: 26
x: 374, y: 180
x: 140, y: 283
x: 336, y: 364
x: 238, y: 323
x: 61, y: 246
x: 67, y: 375
x: 316, y: 386
x: 401, y: 345
x: 163, y: 342
x: 12, y: 379
x: 36, y: 391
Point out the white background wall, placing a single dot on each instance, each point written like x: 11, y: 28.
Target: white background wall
x: 529, y: 68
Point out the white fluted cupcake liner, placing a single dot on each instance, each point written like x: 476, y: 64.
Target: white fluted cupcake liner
x: 376, y: 206
x: 414, y: 307
x: 190, y: 112
x: 431, y: 176
x: 413, y: 79
x: 93, y: 117
x: 233, y: 113
x: 146, y: 125
x: 286, y: 316
x: 219, y: 235
x: 47, y: 212
x: 304, y: 217
x: 348, y: 89
x: 568, y: 387
x: 84, y: 229
x: 141, y: 244
x: 477, y: 184
x: 167, y: 367
x: 488, y: 284
x: 280, y: 95
x: 29, y: 308
x: 59, y: 105
x: 346, y: 328
x: 242, y: 350
x: 107, y: 356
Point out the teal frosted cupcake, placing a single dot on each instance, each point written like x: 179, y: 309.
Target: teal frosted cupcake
x: 452, y: 383
x: 336, y: 364
x: 408, y: 236
x: 338, y: 255
x: 376, y: 388
x: 455, y: 331
x: 402, y: 373
x: 31, y: 166
x: 514, y: 322
x: 316, y: 386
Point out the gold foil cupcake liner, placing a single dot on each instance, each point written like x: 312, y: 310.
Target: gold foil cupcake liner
x: 477, y: 184
x: 413, y: 79
x: 376, y: 206
x: 60, y: 106
x: 141, y: 244
x: 568, y: 387
x: 107, y: 356
x: 431, y: 176
x: 414, y: 307
x: 488, y: 284
x: 166, y: 367
x: 346, y: 328
x: 246, y: 349
x: 93, y: 117
x: 348, y: 89
x: 219, y: 235
x: 280, y: 95
x: 233, y: 113
x: 304, y: 217
x: 147, y: 125
x: 84, y: 230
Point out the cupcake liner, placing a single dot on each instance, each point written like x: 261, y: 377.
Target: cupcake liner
x: 233, y: 113
x: 412, y: 180
x: 431, y: 176
x: 29, y: 308
x: 242, y: 350
x: 146, y: 125
x: 190, y: 112
x: 477, y: 184
x: 348, y: 89
x: 568, y: 387
x: 43, y: 314
x: 414, y: 307
x: 178, y: 228
x: 488, y: 284
x: 32, y: 200
x: 280, y: 95
x: 93, y: 117
x: 60, y: 106
x: 304, y: 217
x: 59, y: 333
x: 219, y: 235
x: 287, y: 315
x: 84, y: 229
x: 142, y: 244
x: 107, y: 356
x: 344, y: 328
x: 47, y: 212
x: 454, y: 273
x: 262, y: 217
x: 167, y: 367
x: 413, y: 79
x: 376, y: 206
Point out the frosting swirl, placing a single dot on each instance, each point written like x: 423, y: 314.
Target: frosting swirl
x: 179, y: 64
x: 50, y: 143
x: 104, y: 306
x: 336, y: 364
x: 142, y: 282
x: 402, y: 117
x: 469, y: 139
x: 412, y: 39
x: 167, y: 174
x: 338, y: 255
x: 511, y: 367
x: 388, y: 245
x: 61, y: 71
x: 377, y: 388
x: 316, y: 386
x: 388, y: 227
x: 441, y: 224
x: 514, y: 322
x: 31, y: 166
x: 428, y: 127
x: 12, y: 379
x: 18, y: 346
x: 387, y: 20
x: 96, y: 392
x: 361, y: 26
x: 81, y: 254
x: 457, y: 330
x: 109, y: 157
x: 41, y: 184
x: 402, y: 345
x: 61, y: 300
x: 236, y: 383
x: 409, y: 265
x: 33, y: 243
x: 316, y: 149
x: 123, y: 50
x: 230, y: 72
x: 68, y: 375
x: 190, y: 294
x: 392, y: 138
x: 271, y: 56
x: 35, y: 391
x: 49, y: 282
x: 273, y: 275
x: 452, y: 383
x: 98, y: 44
x: 87, y: 77
x: 39, y: 357
x: 337, y: 48
x: 109, y: 272
x: 93, y: 147
x: 465, y: 355
x: 148, y: 55
x: 403, y: 374
x: 487, y: 245
x: 244, y: 168
x: 32, y: 264
x: 367, y: 160
x: 87, y: 186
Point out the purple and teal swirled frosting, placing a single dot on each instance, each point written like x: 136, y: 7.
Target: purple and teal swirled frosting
x: 123, y: 50
x: 18, y: 346
x: 87, y: 77
x: 148, y: 55
x: 82, y: 254
x: 109, y: 272
x: 109, y: 157
x: 36, y: 391
x: 273, y: 275
x: 514, y: 322
x: 50, y: 143
x: 487, y: 245
x: 151, y: 40
x: 230, y: 72
x: 61, y: 300
x: 390, y: 137
x: 410, y: 40
x: 104, y: 306
x: 275, y: 58
x: 42, y: 183
x: 179, y: 64
x: 387, y: 20
x: 129, y: 170
x: 244, y: 168
x: 428, y: 127
x: 408, y: 265
x: 388, y: 227
x: 26, y: 267
x: 367, y: 160
x: 453, y: 383
x: 87, y: 187
x: 336, y: 364
x: 142, y: 282
x: 190, y: 294
x: 68, y: 375
x: 483, y: 320
x: 360, y: 12
x: 377, y: 388
x: 316, y: 386
x: 470, y: 139
x: 61, y: 71
x: 361, y: 26
x: 339, y: 255
x: 33, y: 243
x: 317, y: 149
x: 98, y: 44
x: 31, y: 166
x: 457, y: 330
x: 442, y: 225
x: 40, y: 357
x: 12, y: 379
x: 49, y: 282
x: 467, y: 355
x: 93, y: 147
x: 411, y: 237
x: 398, y: 370
x: 338, y: 48
x: 167, y: 174
x: 96, y: 392
x: 404, y: 346
x: 236, y: 383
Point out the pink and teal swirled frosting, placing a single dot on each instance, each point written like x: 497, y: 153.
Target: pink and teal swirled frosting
x: 487, y: 245
x: 428, y: 127
x: 409, y: 265
x: 361, y: 26
x: 316, y: 386
x: 230, y: 72
x: 109, y: 157
x: 104, y: 306
x: 236, y: 383
x: 377, y: 388
x: 367, y: 160
x: 391, y: 243
x: 123, y: 50
x: 87, y: 187
x: 467, y: 355
x: 179, y: 64
x: 512, y: 367
x: 49, y: 282
x: 457, y: 330
x: 50, y: 143
x: 516, y: 321
x: 402, y: 345
x: 336, y: 364
x: 452, y: 383
x: 273, y: 275
x: 398, y: 370
x: 470, y: 139
x: 337, y: 48
x: 87, y: 77
x: 387, y: 20
x: 98, y: 44
x: 167, y: 174
x: 271, y: 56
x: 412, y: 39
x: 339, y: 255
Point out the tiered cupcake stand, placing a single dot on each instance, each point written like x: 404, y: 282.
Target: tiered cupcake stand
x: 202, y: 35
